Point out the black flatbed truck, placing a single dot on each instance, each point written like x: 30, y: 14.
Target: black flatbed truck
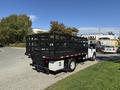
x: 53, y: 52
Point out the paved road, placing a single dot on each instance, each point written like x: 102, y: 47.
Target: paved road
x: 108, y: 56
x: 17, y: 74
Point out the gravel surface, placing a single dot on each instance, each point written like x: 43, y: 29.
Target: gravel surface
x: 17, y: 74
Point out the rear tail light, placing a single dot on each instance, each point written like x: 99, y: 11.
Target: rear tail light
x: 113, y: 49
x: 46, y: 61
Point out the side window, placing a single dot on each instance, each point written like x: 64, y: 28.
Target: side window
x: 92, y: 46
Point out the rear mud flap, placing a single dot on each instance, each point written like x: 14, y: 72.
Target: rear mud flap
x: 41, y: 68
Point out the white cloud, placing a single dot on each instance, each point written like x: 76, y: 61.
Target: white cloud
x: 35, y: 30
x: 33, y: 17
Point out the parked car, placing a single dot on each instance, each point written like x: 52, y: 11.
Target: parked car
x: 118, y: 50
x: 98, y: 48
x: 109, y: 49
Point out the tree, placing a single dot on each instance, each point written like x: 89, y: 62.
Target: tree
x: 14, y: 28
x: 111, y: 33
x: 57, y: 27
x: 71, y: 30
x: 119, y: 38
x: 61, y: 28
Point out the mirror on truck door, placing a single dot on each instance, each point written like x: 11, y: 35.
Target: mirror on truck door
x: 92, y: 46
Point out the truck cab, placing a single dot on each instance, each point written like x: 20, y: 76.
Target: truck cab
x: 91, y: 51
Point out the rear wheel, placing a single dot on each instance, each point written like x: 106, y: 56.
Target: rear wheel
x: 71, y: 65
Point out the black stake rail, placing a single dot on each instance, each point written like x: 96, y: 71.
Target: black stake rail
x: 55, y: 45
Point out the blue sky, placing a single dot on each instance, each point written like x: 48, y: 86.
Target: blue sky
x: 74, y: 13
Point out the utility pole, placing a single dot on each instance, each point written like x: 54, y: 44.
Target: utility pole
x: 119, y: 33
x: 99, y: 30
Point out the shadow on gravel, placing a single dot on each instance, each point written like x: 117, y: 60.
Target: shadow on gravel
x: 50, y: 72
x: 112, y: 58
x: 56, y: 72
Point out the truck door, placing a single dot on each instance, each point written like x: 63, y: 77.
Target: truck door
x: 91, y: 50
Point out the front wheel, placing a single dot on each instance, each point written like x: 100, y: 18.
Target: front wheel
x: 93, y: 57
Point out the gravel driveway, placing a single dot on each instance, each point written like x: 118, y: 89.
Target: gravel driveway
x: 17, y: 74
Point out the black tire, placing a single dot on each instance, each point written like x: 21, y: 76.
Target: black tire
x: 1, y: 45
x: 93, y: 57
x: 71, y: 65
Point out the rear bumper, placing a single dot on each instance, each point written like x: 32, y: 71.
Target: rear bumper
x: 40, y: 68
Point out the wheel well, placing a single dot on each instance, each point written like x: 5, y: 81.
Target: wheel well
x: 67, y: 62
x: 94, y: 53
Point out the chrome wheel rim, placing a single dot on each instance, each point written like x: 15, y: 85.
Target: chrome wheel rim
x: 72, y: 65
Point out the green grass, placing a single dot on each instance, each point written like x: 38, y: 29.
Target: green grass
x: 102, y: 76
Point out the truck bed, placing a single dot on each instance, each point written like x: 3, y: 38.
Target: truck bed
x: 52, y: 45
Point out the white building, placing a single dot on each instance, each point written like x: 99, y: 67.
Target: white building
x: 98, y: 36
x: 37, y: 30
x: 103, y: 39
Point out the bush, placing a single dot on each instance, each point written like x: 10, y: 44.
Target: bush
x: 17, y: 45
